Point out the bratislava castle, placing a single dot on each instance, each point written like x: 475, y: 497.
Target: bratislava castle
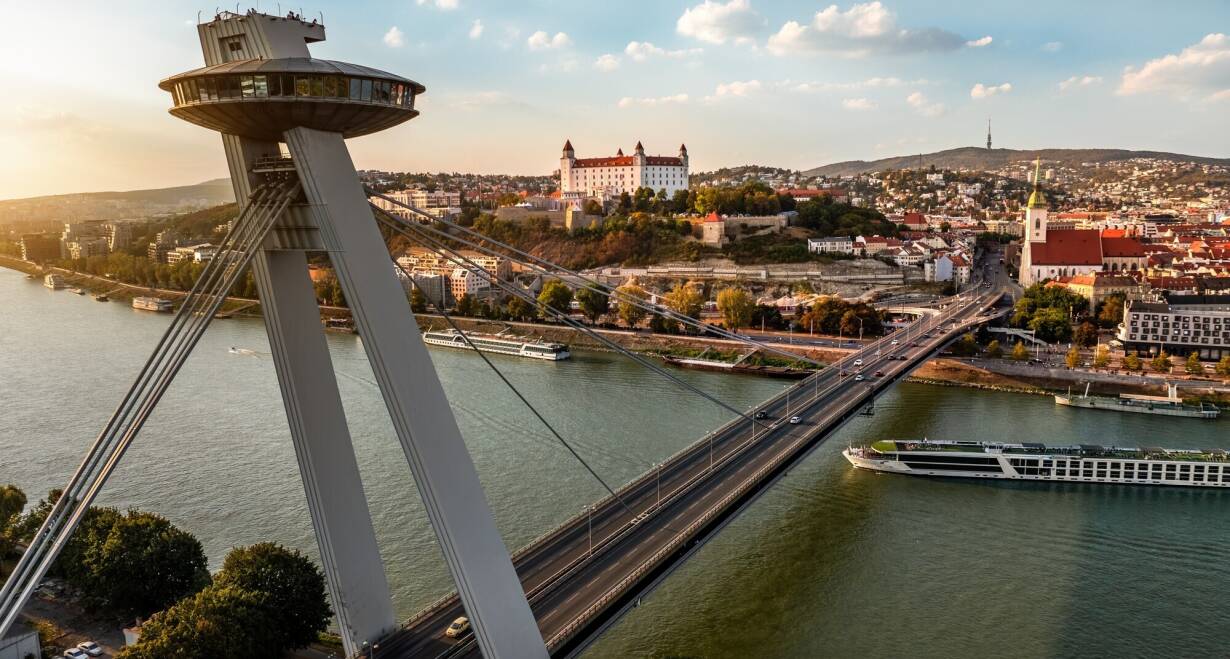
x: 605, y: 177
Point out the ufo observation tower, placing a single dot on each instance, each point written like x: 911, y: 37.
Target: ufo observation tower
x: 284, y: 117
x: 283, y: 114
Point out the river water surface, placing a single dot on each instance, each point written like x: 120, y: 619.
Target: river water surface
x: 831, y: 562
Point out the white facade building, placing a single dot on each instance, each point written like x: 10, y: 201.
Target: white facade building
x: 831, y: 245
x: 440, y: 203
x: 607, y: 177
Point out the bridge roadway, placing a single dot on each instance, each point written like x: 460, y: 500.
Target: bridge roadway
x: 669, y: 512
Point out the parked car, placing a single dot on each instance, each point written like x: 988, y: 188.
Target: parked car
x: 460, y: 626
x: 91, y: 648
x: 75, y: 653
x: 794, y: 420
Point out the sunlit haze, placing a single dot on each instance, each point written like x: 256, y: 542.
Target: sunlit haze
x: 791, y: 84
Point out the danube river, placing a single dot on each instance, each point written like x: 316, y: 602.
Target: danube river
x: 831, y: 562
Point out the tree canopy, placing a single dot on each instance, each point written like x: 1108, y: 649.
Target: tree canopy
x: 556, y: 295
x: 629, y: 313
x: 736, y: 307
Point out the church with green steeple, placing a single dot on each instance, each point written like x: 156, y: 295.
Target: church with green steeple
x: 1063, y: 253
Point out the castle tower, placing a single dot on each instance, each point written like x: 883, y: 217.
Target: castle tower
x: 265, y: 93
x: 1035, y: 210
x: 566, y: 161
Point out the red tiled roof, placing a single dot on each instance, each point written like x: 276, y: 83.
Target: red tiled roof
x: 914, y: 218
x: 627, y: 161
x: 614, y: 161
x: 713, y: 217
x: 1068, y: 247
x: 664, y: 160
x: 1122, y: 247
x: 1114, y: 233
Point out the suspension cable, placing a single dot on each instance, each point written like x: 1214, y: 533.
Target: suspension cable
x: 469, y: 264
x: 449, y: 319
x: 589, y: 282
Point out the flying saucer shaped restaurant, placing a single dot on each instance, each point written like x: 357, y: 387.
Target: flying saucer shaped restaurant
x: 262, y: 98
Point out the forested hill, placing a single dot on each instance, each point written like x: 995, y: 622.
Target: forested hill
x: 978, y: 158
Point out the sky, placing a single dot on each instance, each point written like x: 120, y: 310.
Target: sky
x: 789, y: 83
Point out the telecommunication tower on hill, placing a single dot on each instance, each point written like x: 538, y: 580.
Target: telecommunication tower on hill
x: 988, y: 133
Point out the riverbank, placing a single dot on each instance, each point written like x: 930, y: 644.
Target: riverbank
x: 997, y: 374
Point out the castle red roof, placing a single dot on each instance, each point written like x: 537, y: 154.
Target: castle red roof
x: 1068, y: 247
x: 627, y: 161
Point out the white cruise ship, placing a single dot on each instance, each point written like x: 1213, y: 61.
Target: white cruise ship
x: 499, y: 344
x: 151, y: 304
x: 1036, y: 462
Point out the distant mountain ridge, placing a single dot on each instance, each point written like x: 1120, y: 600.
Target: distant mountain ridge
x: 978, y: 158
x: 217, y: 190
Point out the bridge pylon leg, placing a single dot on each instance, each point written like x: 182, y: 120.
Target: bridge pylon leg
x: 444, y: 473
x: 342, y: 522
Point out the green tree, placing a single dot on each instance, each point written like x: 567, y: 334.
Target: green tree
x: 1223, y: 366
x: 594, y: 304
x: 994, y: 350
x: 736, y: 307
x: 145, y: 564
x: 1131, y: 361
x: 592, y: 207
x: 767, y: 316
x: 293, y: 590
x: 686, y: 298
x: 1073, y: 358
x: 216, y: 622
x: 519, y: 309
x: 1051, y: 325
x: 706, y: 200
x: 467, y: 305
x: 1193, y: 365
x: 1086, y: 334
x: 1101, y: 358
x: 1111, y: 312
x: 629, y: 313
x: 418, y: 301
x: 680, y: 202
x: 1020, y: 352
x: 556, y: 295
x: 967, y: 346
x: 1161, y: 362
x: 12, y: 502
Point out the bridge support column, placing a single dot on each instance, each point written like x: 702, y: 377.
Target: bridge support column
x: 349, y: 555
x: 445, y: 476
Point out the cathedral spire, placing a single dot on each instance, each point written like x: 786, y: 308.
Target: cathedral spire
x: 1037, y: 199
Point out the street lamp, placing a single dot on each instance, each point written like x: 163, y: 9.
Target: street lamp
x: 659, y: 484
x: 589, y: 510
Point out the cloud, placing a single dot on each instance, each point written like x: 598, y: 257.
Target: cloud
x: 924, y: 105
x: 607, y: 62
x: 394, y: 37
x: 542, y: 41
x: 736, y: 88
x: 984, y: 91
x: 1079, y: 81
x: 1200, y: 69
x: 628, y: 101
x: 979, y: 43
x: 861, y: 30
x: 476, y: 29
x: 869, y: 83
x: 857, y: 104
x: 442, y: 5
x: 643, y: 50
x: 718, y: 22
x: 1052, y: 46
